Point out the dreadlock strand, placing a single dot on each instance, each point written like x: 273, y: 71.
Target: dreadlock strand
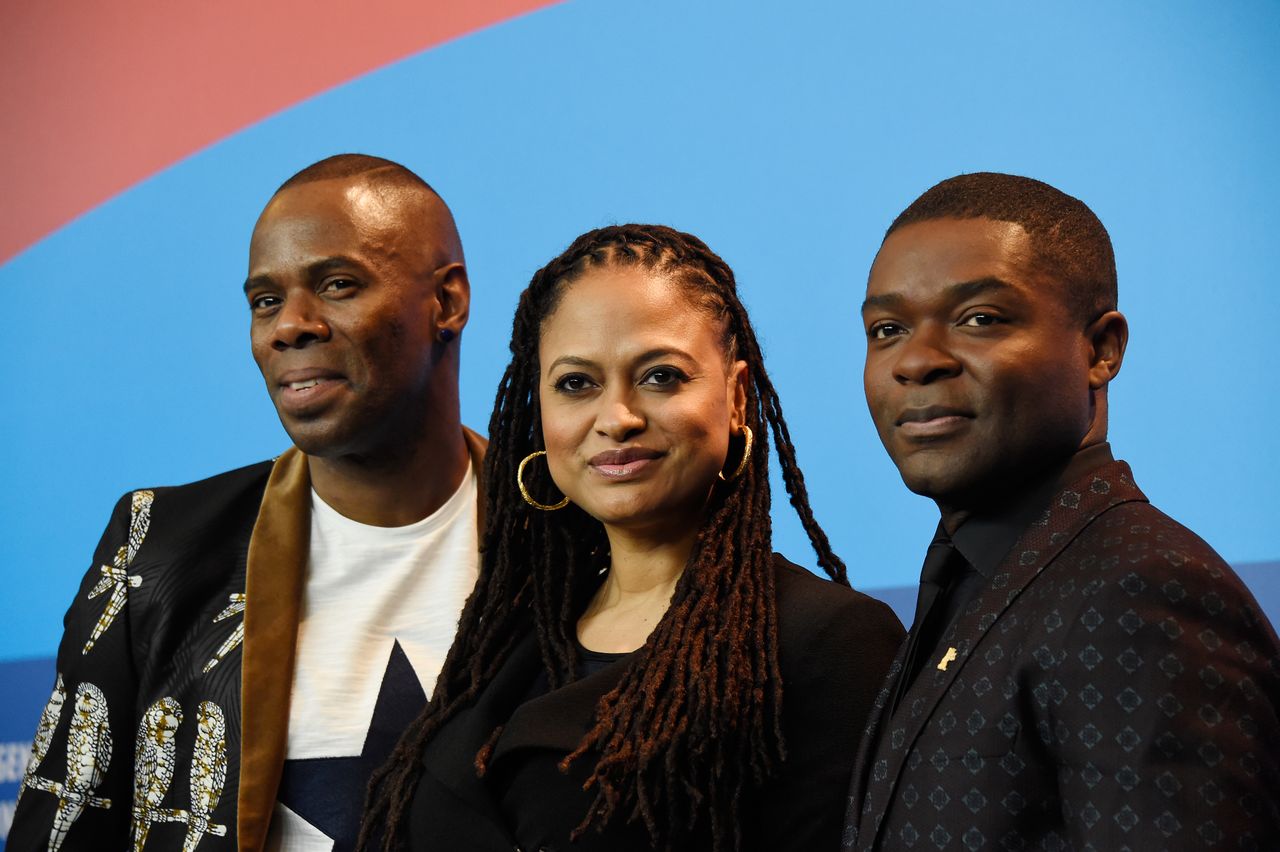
x: 695, y: 720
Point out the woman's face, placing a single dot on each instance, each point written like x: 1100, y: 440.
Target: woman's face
x: 637, y: 400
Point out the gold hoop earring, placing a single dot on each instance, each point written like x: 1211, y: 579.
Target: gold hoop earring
x: 524, y: 492
x: 746, y: 456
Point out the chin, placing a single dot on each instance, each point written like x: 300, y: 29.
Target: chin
x: 316, y: 440
x: 628, y: 516
x: 934, y: 482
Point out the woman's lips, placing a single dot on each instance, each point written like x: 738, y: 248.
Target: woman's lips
x: 624, y: 463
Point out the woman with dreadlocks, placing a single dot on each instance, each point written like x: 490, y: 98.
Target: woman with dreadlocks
x: 636, y: 670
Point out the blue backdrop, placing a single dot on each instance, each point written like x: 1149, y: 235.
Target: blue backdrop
x: 788, y: 138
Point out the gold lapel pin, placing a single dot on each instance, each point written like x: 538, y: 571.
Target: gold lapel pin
x: 947, y: 658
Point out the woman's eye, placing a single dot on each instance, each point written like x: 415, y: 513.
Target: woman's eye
x: 662, y: 376
x: 572, y: 383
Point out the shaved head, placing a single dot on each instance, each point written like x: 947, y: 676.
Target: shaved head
x: 420, y: 209
x: 357, y: 281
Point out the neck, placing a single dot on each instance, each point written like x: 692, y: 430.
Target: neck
x: 643, y: 565
x: 398, y: 487
x: 643, y: 573
x: 1000, y: 498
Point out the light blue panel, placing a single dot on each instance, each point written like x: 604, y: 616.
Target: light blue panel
x: 788, y: 138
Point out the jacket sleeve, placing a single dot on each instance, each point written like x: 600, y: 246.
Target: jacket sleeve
x: 1161, y: 709
x: 833, y: 662
x: 77, y: 791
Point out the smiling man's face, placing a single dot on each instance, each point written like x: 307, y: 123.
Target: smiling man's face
x: 977, y: 373
x: 344, y: 305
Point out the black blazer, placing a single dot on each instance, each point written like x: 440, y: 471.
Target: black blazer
x: 1113, y: 687
x: 835, y: 646
x: 155, y: 640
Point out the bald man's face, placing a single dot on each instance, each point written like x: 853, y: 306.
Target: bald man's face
x: 346, y: 289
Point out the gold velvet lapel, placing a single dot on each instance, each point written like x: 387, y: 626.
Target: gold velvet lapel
x: 476, y: 447
x: 278, y: 553
x: 277, y: 569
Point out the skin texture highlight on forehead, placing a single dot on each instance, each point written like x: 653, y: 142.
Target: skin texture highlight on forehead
x: 425, y: 214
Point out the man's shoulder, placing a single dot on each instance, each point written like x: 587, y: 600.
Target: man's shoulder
x: 1141, y: 536
x: 1135, y: 564
x: 199, y: 503
x: 249, y: 476
x: 241, y: 479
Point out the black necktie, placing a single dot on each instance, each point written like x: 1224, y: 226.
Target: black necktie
x: 941, y: 564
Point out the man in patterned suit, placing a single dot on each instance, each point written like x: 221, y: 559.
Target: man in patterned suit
x: 1083, y: 671
x: 246, y: 649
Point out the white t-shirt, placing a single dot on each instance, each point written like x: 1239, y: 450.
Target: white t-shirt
x: 380, y: 608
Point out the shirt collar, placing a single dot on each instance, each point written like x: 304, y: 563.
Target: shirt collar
x: 984, y: 538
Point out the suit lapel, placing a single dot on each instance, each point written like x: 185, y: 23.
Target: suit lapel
x: 476, y: 447
x: 450, y: 755
x: 1070, y: 511
x: 278, y: 552
x: 877, y: 720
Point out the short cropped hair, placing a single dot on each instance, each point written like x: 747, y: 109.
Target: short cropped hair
x: 1069, y: 241
x: 351, y: 165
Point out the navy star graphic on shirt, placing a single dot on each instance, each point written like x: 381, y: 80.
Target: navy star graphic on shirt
x: 328, y: 792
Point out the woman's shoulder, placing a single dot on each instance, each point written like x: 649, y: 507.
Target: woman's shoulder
x: 803, y: 593
x: 814, y: 610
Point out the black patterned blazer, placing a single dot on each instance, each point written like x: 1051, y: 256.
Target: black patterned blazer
x: 139, y: 745
x: 1114, y: 687
x: 167, y: 724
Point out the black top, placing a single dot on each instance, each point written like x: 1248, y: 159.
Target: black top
x: 834, y: 648
x: 517, y: 781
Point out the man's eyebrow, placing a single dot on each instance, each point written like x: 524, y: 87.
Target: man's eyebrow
x: 888, y: 302
x: 957, y: 292
x: 314, y: 270
x: 978, y: 287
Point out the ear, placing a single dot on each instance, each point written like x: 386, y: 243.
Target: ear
x: 736, y: 390
x: 453, y: 290
x: 1108, y: 336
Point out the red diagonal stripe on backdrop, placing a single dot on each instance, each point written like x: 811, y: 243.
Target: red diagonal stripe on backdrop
x: 96, y: 96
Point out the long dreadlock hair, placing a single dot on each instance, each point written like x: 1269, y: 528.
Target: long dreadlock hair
x: 695, y: 720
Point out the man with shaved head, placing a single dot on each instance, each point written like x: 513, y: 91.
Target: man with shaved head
x: 245, y: 650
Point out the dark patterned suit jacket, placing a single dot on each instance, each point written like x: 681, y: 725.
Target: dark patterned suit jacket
x: 1114, y: 687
